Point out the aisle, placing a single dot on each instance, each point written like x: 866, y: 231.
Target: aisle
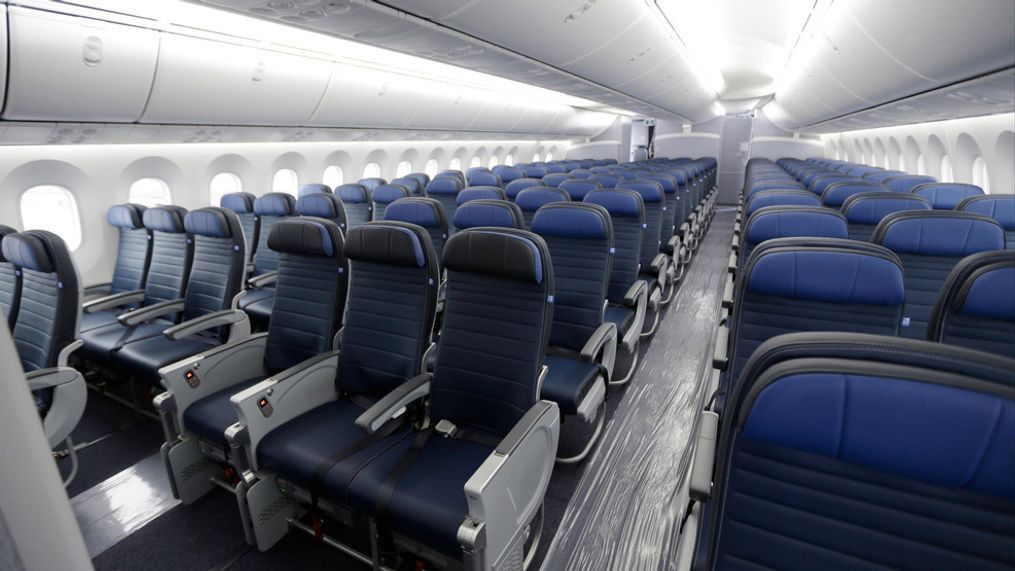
x: 622, y: 514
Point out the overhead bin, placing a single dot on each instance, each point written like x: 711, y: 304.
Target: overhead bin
x: 70, y: 68
x: 206, y: 81
x: 360, y: 97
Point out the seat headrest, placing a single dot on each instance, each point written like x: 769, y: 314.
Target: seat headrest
x: 4, y: 232
x: 387, y: 193
x: 784, y: 221
x: 306, y: 237
x: 906, y: 182
x: 505, y: 253
x: 827, y: 274
x: 519, y: 184
x: 314, y: 188
x: 483, y: 178
x: 668, y: 182
x: 509, y: 174
x: 836, y: 194
x: 939, y: 233
x: 36, y: 250
x: 578, y: 187
x: 650, y: 190
x: 167, y: 219
x: 535, y: 171
x: 390, y: 242
x: 238, y: 202
x: 444, y: 185
x: 946, y: 195
x: 425, y: 212
x: 781, y: 198
x: 414, y: 185
x: 320, y: 205
x: 607, y: 180
x: 485, y: 212
x: 126, y: 216
x: 871, y: 207
x: 988, y: 291
x: 582, y: 173
x: 372, y: 182
x: 573, y: 220
x: 479, y: 193
x: 999, y: 207
x: 275, y: 204
x: 618, y: 202
x: 555, y: 178
x: 531, y: 199
x: 421, y: 177
x: 213, y: 222
x: 353, y: 193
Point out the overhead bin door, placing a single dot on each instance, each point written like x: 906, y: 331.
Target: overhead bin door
x: 360, y: 97
x: 68, y: 68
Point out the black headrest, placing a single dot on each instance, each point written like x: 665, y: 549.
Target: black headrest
x: 390, y: 242
x: 501, y: 252
x: 40, y: 251
x: 4, y: 232
x: 213, y: 222
x: 306, y: 236
x: 165, y: 219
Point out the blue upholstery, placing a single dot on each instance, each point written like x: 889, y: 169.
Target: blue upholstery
x: 356, y: 199
x: 517, y: 185
x: 627, y: 214
x: 554, y: 179
x: 479, y: 193
x: 10, y: 283
x: 422, y: 178
x: 414, y: 184
x: 424, y: 212
x: 881, y: 176
x: 371, y: 183
x: 652, y: 198
x: 238, y: 202
x: 907, y: 182
x: 483, y: 212
x: 791, y: 221
x: 568, y: 380
x: 275, y: 204
x: 126, y: 216
x: 270, y: 209
x: 483, y: 178
x: 134, y: 248
x: 209, y: 417
x: 1000, y: 207
x: 780, y: 198
x: 327, y: 206
x: 820, y: 184
x: 864, y: 211
x: 976, y: 308
x: 578, y: 188
x: 450, y: 174
x: 836, y: 194
x: 242, y: 203
x: 313, y: 188
x: 671, y: 209
x: 946, y: 195
x: 510, y: 174
x: 384, y: 195
x: 445, y: 190
x: 608, y: 180
x: 534, y: 171
x: 531, y: 199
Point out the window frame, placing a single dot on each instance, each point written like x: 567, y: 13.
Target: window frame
x: 211, y: 186
x: 58, y: 227
x: 161, y: 183
x: 372, y: 170
x: 334, y: 169
x: 295, y: 181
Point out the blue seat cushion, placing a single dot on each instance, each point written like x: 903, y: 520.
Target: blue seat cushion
x: 150, y: 350
x: 211, y: 416
x: 568, y: 381
x: 90, y: 321
x: 622, y: 316
x: 253, y: 296
x: 258, y: 304
x: 100, y: 343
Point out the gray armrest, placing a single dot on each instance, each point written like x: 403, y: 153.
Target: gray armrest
x: 150, y: 312
x: 96, y: 288
x: 720, y: 358
x: 115, y: 300
x: 522, y: 428
x: 674, y: 242
x: 64, y: 355
x: 658, y: 263
x: 263, y: 280
x: 727, y: 293
x: 70, y: 394
x: 703, y: 460
x: 636, y: 291
x: 237, y: 320
x: 51, y: 377
x: 736, y: 229
x: 384, y: 409
x: 731, y: 264
x: 604, y: 333
x: 735, y: 243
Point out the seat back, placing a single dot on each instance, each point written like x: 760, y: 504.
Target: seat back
x: 497, y: 320
x: 270, y: 208
x: 327, y: 206
x: 577, y: 188
x: 509, y: 174
x: 422, y: 179
x: 929, y: 244
x: 607, y: 180
x: 50, y: 305
x: 371, y: 183
x: 313, y: 188
x: 10, y: 283
x: 671, y: 204
x: 864, y: 211
x: 627, y: 215
x: 445, y: 190
x: 791, y: 222
x: 765, y: 198
x: 1000, y: 207
x: 881, y: 176
x: 534, y: 171
x: 480, y: 193
x: 819, y: 184
x: 310, y: 291
x: 382, y: 342
x: 356, y: 200
x: 531, y: 199
x: 906, y: 182
x: 555, y: 178
x: 242, y: 203
x: 172, y: 254
x: 579, y: 237
x: 486, y: 212
x: 517, y: 185
x: 384, y: 195
x: 134, y: 248
x: 453, y: 174
x: 425, y: 213
x: 976, y: 308
x: 837, y: 193
x: 415, y: 185
x: 216, y: 275
x: 483, y: 178
x: 652, y: 197
x: 946, y: 195
x: 850, y: 451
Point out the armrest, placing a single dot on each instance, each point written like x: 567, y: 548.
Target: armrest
x: 727, y: 293
x: 736, y: 229
x: 735, y: 243
x: 115, y: 300
x: 674, y: 242
x: 150, y: 312
x: 635, y: 292
x: 659, y: 263
x: 603, y: 334
x: 731, y: 264
x: 703, y: 461
x: 720, y: 357
x: 384, y: 409
x: 96, y: 288
x: 523, y: 427
x: 263, y: 280
x: 64, y: 355
x: 50, y: 377
x: 237, y: 320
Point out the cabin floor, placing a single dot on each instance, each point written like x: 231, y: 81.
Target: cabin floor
x: 618, y: 509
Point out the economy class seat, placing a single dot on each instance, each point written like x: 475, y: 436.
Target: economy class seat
x: 483, y: 178
x: 656, y: 269
x: 133, y: 256
x: 608, y: 180
x: 327, y: 206
x: 471, y: 193
x: 864, y: 211
x: 356, y: 200
x: 976, y: 307
x: 577, y: 188
x: 532, y: 199
x: 256, y: 298
x: 555, y: 178
x: 312, y: 282
x: 242, y: 204
x: 1000, y: 207
x: 10, y: 282
x: 837, y: 193
x: 421, y: 178
x: 946, y: 195
x: 413, y: 184
x: 765, y: 198
x: 384, y: 195
x: 508, y: 174
x: 517, y: 185
x: 670, y: 243
x: 371, y: 183
x: 426, y: 213
x: 445, y: 190
x: 313, y: 188
x: 787, y: 222
x: 906, y: 182
x: 534, y: 171
x: 882, y: 175
x: 488, y: 212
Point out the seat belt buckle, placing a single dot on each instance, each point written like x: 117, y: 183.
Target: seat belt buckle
x: 446, y: 428
x: 318, y: 527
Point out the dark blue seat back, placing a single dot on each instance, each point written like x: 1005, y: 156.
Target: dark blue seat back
x: 483, y: 178
x: 356, y: 200
x: 452, y: 174
x: 531, y: 199
x: 270, y: 208
x: 422, y: 179
x: 534, y: 171
x: 426, y: 213
x: 580, y: 240
x: 859, y: 451
x: 384, y: 195
x: 930, y: 244
x: 415, y: 185
x: 310, y: 291
x: 906, y: 182
x: 881, y: 176
x: 671, y: 204
x: 216, y: 275
x: 791, y: 222
x: 313, y: 188
x: 946, y: 195
x: 577, y: 188
x: 652, y: 197
x: 581, y: 173
x: 554, y: 179
x: 780, y: 198
x: 10, y: 283
x: 242, y: 203
x: 497, y: 321
x: 976, y: 308
x: 383, y: 342
x: 836, y: 194
x: 608, y: 180
x: 517, y: 185
x: 371, y: 183
x: 486, y: 212
x: 819, y: 184
x: 50, y: 297
x: 172, y: 254
x: 627, y: 214
x: 509, y: 174
x: 864, y: 211
x: 480, y: 193
x: 134, y: 249
x: 445, y: 190
x: 1000, y: 207
x: 327, y: 206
